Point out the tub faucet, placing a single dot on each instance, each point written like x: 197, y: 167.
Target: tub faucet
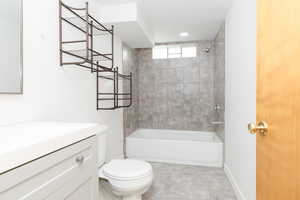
x: 217, y: 107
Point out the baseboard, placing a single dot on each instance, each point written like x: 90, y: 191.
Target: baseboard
x: 236, y: 188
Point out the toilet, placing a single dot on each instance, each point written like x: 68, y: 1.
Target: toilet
x: 128, y: 178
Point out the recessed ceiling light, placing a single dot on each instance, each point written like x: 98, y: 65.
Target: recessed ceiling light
x: 184, y: 34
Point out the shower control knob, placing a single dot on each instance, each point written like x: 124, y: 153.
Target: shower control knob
x: 260, y: 128
x: 217, y: 107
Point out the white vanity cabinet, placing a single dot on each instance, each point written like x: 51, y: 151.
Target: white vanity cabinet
x: 68, y: 173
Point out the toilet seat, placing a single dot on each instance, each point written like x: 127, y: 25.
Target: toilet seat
x: 128, y: 178
x: 126, y: 170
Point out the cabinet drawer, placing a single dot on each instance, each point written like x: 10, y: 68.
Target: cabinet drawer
x: 59, y: 174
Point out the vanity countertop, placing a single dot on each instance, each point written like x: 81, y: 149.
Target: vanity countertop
x: 24, y: 142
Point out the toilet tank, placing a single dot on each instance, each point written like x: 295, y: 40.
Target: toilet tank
x: 101, y: 148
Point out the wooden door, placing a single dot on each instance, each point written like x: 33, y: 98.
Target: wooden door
x: 278, y: 99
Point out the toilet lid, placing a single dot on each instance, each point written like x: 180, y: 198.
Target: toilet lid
x: 127, y: 169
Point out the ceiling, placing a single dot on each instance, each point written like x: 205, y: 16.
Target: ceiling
x: 168, y: 18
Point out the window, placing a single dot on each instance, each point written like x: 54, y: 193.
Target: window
x: 160, y: 52
x: 174, y: 51
x: 188, y: 52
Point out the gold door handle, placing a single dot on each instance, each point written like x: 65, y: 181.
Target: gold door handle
x: 260, y: 128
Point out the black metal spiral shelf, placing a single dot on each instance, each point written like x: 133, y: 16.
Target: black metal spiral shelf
x: 82, y: 52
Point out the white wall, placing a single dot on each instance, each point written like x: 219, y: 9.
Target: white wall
x: 123, y: 12
x: 52, y: 92
x: 240, y: 106
x: 131, y: 23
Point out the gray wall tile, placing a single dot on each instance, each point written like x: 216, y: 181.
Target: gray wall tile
x: 219, y: 79
x: 130, y: 115
x: 177, y: 93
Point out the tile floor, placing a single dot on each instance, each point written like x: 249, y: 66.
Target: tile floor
x: 183, y: 182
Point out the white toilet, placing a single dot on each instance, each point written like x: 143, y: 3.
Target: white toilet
x: 128, y: 178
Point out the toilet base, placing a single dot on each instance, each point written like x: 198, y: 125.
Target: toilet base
x: 133, y: 197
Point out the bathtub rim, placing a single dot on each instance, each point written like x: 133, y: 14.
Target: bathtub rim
x: 217, y: 140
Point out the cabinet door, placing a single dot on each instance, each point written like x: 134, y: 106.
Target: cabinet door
x: 59, y: 175
x: 75, y: 190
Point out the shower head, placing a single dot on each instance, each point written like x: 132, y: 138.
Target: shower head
x: 207, y: 50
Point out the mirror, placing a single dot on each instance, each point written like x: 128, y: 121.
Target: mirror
x: 11, y: 76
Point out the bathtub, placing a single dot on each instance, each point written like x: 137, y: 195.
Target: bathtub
x: 172, y: 146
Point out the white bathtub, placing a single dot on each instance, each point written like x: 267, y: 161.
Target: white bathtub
x: 171, y: 146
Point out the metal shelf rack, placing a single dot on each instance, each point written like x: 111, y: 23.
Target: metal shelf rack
x: 115, y: 96
x: 81, y: 52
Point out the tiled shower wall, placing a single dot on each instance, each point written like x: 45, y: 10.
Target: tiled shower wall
x: 177, y: 93
x: 130, y: 115
x: 219, y: 79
